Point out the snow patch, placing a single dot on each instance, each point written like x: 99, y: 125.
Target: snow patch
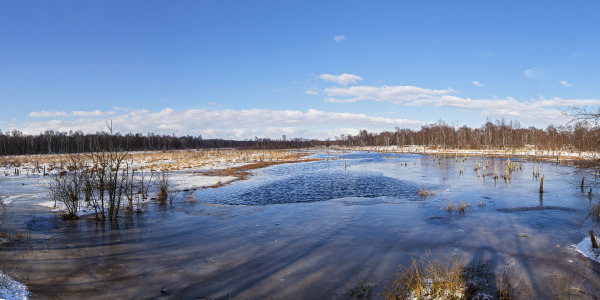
x: 585, y: 248
x: 11, y: 289
x: 190, y: 181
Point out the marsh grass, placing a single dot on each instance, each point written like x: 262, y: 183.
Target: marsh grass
x: 157, y: 160
x: 164, y: 185
x: 504, y: 284
x: 8, y: 272
x: 429, y: 277
x: 362, y: 288
x: 567, y: 287
x: 460, y: 207
x: 595, y: 211
x: 424, y: 192
x: 449, y: 207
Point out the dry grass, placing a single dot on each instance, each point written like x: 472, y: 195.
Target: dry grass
x: 157, y: 160
x: 460, y: 207
x: 504, y: 284
x: 566, y: 287
x: 242, y: 172
x: 449, y: 278
x: 424, y: 192
x: 449, y: 207
x: 362, y: 288
x: 428, y: 278
x: 595, y: 211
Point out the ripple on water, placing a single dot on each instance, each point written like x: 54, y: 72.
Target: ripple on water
x: 319, y: 186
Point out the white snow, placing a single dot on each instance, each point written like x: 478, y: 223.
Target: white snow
x: 11, y: 289
x: 189, y: 181
x: 585, y: 248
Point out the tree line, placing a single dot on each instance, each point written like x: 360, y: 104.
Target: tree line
x: 498, y: 134
x: 17, y: 143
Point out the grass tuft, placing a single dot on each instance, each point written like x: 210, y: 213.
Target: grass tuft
x: 460, y: 207
x: 448, y: 278
x: 424, y: 192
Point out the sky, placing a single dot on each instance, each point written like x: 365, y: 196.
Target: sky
x: 311, y: 69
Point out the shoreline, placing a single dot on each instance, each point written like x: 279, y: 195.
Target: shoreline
x: 527, y: 152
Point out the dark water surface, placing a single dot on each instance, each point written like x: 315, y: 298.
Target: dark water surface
x: 309, y: 230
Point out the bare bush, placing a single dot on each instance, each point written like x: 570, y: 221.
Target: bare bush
x: 103, y: 179
x: 5, y: 214
x: 143, y: 184
x: 108, y: 179
x: 69, y: 187
x: 163, y: 186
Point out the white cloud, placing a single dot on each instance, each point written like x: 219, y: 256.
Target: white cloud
x: 342, y: 79
x: 339, y: 38
x: 565, y: 83
x: 312, y: 91
x: 395, y: 94
x: 77, y: 113
x: 477, y: 83
x: 95, y: 113
x: 235, y: 124
x: 535, y: 73
x: 509, y: 108
x: 47, y: 114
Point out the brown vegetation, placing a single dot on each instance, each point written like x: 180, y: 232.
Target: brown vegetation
x: 242, y: 172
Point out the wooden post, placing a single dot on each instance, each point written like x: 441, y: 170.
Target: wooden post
x: 593, y: 238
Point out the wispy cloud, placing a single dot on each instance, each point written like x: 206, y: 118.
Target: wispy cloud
x: 342, y: 79
x: 477, y: 83
x: 77, y: 113
x: 312, y: 91
x: 565, y: 83
x: 510, y: 108
x: 95, y: 113
x: 47, y: 114
x: 395, y: 94
x: 226, y: 123
x: 339, y: 38
x: 528, y: 73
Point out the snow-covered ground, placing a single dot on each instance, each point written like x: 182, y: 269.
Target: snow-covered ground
x: 187, y: 170
x: 585, y: 248
x: 526, y: 151
x: 185, y: 181
x: 11, y: 289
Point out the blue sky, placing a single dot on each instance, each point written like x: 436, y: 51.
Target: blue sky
x: 240, y: 69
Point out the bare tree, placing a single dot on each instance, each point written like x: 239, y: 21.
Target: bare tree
x: 583, y: 113
x: 68, y: 187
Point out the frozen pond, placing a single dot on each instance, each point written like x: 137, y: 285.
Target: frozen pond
x: 311, y: 230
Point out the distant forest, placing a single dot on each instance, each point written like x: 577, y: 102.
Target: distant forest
x: 498, y: 134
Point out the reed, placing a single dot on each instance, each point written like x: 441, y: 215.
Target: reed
x: 428, y: 277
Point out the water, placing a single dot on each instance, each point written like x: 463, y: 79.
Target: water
x: 309, y: 230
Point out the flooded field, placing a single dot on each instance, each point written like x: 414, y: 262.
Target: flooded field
x: 315, y: 230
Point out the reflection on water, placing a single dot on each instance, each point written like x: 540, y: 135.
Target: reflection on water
x: 320, y: 187
x: 334, y: 221
x: 312, y: 182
